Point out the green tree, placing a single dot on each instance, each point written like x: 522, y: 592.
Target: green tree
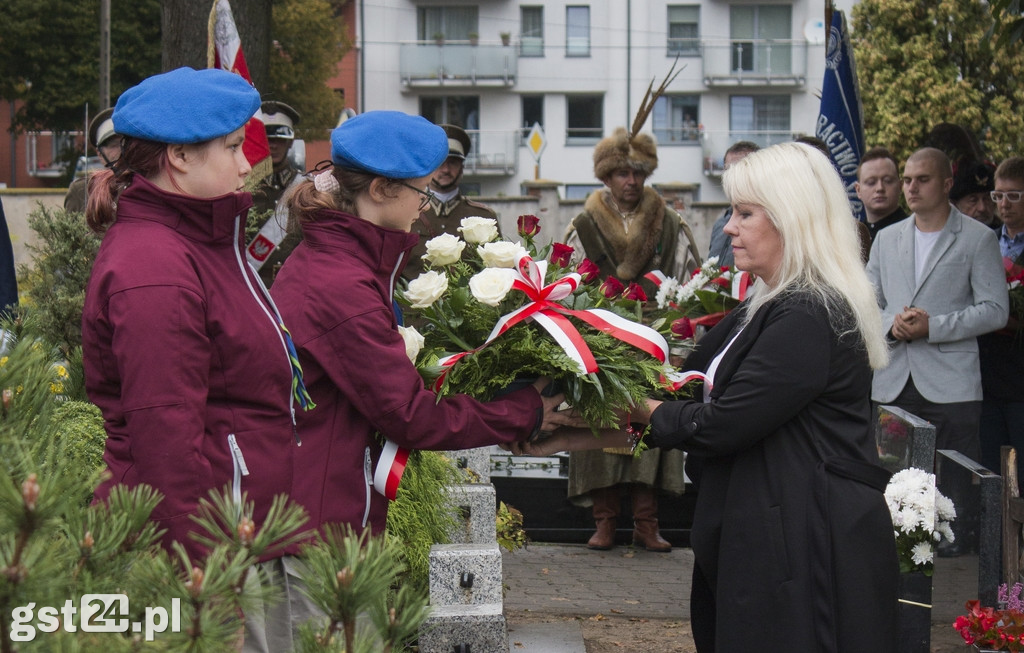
x: 309, y: 39
x: 923, y: 63
x: 49, y: 57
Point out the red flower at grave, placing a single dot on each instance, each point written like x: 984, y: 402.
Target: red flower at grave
x: 528, y: 226
x: 588, y: 270
x: 635, y: 293
x: 612, y: 287
x: 561, y: 254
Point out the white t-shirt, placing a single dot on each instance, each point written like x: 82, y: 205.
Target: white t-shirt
x: 924, y: 241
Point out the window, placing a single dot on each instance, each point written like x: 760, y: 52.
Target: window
x: 577, y: 31
x: 452, y: 23
x: 531, y: 32
x: 684, y: 29
x: 752, y: 29
x: 676, y: 118
x: 763, y: 119
x: 584, y: 119
x: 460, y: 110
x: 533, y: 112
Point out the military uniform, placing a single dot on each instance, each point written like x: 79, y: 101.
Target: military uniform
x: 442, y: 218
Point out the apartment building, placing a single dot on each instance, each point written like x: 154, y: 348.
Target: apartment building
x: 750, y: 71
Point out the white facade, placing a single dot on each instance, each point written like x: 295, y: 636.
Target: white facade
x: 581, y: 70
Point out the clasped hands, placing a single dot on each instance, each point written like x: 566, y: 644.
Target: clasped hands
x: 563, y: 429
x: 910, y: 324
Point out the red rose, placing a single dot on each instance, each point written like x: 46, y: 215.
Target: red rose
x: 683, y: 328
x: 561, y: 254
x: 528, y: 225
x: 612, y: 287
x: 588, y: 270
x: 635, y: 293
x: 722, y: 282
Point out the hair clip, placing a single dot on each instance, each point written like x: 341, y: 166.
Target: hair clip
x: 326, y: 182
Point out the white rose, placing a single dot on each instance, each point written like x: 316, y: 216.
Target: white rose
x: 502, y: 254
x: 444, y: 249
x: 478, y: 230
x: 413, y: 342
x: 489, y: 286
x: 426, y: 289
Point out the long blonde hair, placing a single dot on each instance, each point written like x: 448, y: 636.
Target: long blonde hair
x: 800, y: 191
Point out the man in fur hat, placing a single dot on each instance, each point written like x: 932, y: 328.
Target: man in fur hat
x: 627, y: 230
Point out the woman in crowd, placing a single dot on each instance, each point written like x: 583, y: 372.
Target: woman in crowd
x: 792, y: 540
x: 183, y: 350
x: 335, y: 292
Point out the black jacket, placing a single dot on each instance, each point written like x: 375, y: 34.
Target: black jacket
x: 797, y: 555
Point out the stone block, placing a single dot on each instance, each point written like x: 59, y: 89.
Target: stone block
x: 467, y: 628
x: 476, y: 460
x: 465, y: 574
x: 476, y: 507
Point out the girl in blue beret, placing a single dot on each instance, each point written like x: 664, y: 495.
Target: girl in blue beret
x: 335, y: 291
x: 184, y: 351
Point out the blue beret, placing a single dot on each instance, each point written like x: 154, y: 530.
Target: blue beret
x: 186, y: 106
x: 389, y: 143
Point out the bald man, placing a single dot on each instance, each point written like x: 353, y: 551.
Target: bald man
x: 940, y: 284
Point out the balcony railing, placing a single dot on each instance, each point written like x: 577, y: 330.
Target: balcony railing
x: 717, y: 142
x: 457, y: 63
x: 493, y: 153
x: 772, y: 62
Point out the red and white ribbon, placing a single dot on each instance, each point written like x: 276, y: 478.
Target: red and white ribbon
x: 676, y: 380
x: 389, y: 470
x: 657, y: 277
x: 741, y: 282
x: 545, y: 310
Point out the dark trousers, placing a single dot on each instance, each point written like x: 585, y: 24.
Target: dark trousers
x: 1002, y: 423
x: 956, y: 424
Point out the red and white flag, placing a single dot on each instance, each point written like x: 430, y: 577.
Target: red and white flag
x: 224, y: 50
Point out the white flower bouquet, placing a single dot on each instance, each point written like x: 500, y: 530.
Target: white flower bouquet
x: 921, y: 518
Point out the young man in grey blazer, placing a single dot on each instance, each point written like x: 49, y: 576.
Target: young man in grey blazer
x: 940, y: 284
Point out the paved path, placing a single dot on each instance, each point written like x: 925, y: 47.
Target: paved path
x: 570, y: 579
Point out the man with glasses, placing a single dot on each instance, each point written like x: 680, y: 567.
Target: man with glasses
x: 1002, y: 352
x: 940, y: 284
x: 446, y: 206
x: 878, y: 187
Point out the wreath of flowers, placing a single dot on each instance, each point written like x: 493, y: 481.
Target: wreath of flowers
x: 488, y: 313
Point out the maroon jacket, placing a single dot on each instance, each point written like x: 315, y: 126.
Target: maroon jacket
x: 183, y: 355
x: 335, y: 294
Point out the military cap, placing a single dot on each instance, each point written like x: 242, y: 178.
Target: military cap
x: 458, y: 141
x: 389, y: 143
x: 279, y: 119
x: 101, y: 128
x: 186, y: 106
x: 972, y: 177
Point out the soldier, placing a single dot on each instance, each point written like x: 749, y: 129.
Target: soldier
x: 278, y: 236
x: 107, y: 142
x: 448, y: 206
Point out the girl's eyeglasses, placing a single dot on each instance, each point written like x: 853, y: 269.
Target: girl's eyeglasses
x: 425, y: 196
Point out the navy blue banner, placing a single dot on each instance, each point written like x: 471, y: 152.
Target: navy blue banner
x: 840, y: 123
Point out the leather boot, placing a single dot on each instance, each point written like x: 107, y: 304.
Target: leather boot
x: 645, y: 520
x: 606, y: 511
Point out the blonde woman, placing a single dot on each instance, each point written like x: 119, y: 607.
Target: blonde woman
x: 792, y: 538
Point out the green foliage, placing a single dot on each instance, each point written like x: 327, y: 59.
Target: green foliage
x: 1009, y: 22
x: 54, y: 287
x: 509, y: 525
x: 309, y: 39
x: 352, y: 574
x: 923, y: 63
x: 421, y: 514
x: 49, y: 57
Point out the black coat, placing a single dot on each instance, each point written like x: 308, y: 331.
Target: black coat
x: 792, y: 553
